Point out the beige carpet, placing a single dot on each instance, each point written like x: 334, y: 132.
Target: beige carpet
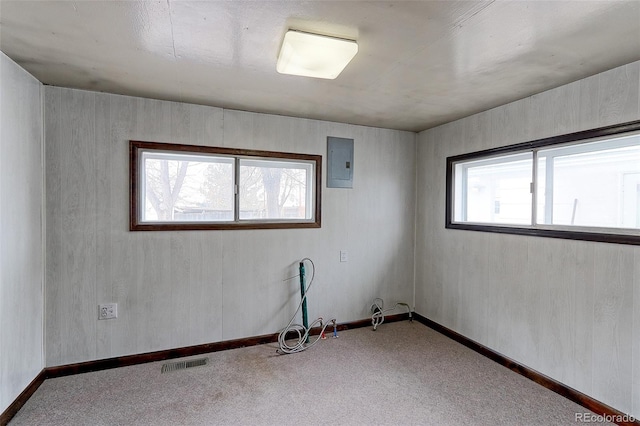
x: 402, y: 374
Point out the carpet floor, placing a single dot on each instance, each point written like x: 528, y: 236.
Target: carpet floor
x: 402, y: 374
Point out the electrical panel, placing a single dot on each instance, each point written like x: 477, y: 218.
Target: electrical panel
x: 339, y: 162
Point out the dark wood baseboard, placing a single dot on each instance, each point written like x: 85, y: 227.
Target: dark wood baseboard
x: 123, y: 361
x: 549, y: 383
x: 85, y: 367
x: 15, y: 406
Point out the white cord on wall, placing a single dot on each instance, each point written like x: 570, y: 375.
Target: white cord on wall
x: 378, y: 311
x: 302, y: 333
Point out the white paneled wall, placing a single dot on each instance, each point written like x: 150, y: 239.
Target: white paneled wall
x: 176, y: 289
x: 568, y: 309
x: 21, y: 235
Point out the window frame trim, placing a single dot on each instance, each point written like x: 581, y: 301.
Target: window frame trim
x: 135, y: 224
x: 538, y: 230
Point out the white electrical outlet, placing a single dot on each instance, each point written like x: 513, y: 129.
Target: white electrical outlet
x: 107, y: 311
x: 344, y: 257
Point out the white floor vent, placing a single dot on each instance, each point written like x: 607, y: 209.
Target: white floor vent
x: 181, y: 365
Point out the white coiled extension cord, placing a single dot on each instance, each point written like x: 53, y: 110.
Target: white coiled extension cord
x: 302, y: 333
x: 378, y: 311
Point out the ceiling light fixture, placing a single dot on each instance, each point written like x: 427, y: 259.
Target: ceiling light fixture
x: 314, y: 55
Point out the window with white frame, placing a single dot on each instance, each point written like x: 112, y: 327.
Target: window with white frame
x: 187, y: 187
x: 584, y: 185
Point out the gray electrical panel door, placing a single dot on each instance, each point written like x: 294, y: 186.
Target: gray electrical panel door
x: 339, y: 163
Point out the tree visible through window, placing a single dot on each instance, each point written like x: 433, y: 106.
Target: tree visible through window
x: 218, y: 188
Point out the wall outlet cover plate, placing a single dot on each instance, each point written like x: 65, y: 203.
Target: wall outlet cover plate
x: 107, y: 311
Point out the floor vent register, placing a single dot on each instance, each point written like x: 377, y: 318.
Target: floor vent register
x: 181, y: 365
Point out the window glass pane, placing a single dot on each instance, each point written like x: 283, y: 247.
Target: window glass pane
x: 275, y: 190
x: 594, y: 184
x: 495, y: 190
x: 187, y: 188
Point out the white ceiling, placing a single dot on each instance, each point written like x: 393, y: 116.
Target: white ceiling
x: 420, y: 63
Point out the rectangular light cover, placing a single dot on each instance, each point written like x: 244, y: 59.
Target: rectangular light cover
x: 313, y: 55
